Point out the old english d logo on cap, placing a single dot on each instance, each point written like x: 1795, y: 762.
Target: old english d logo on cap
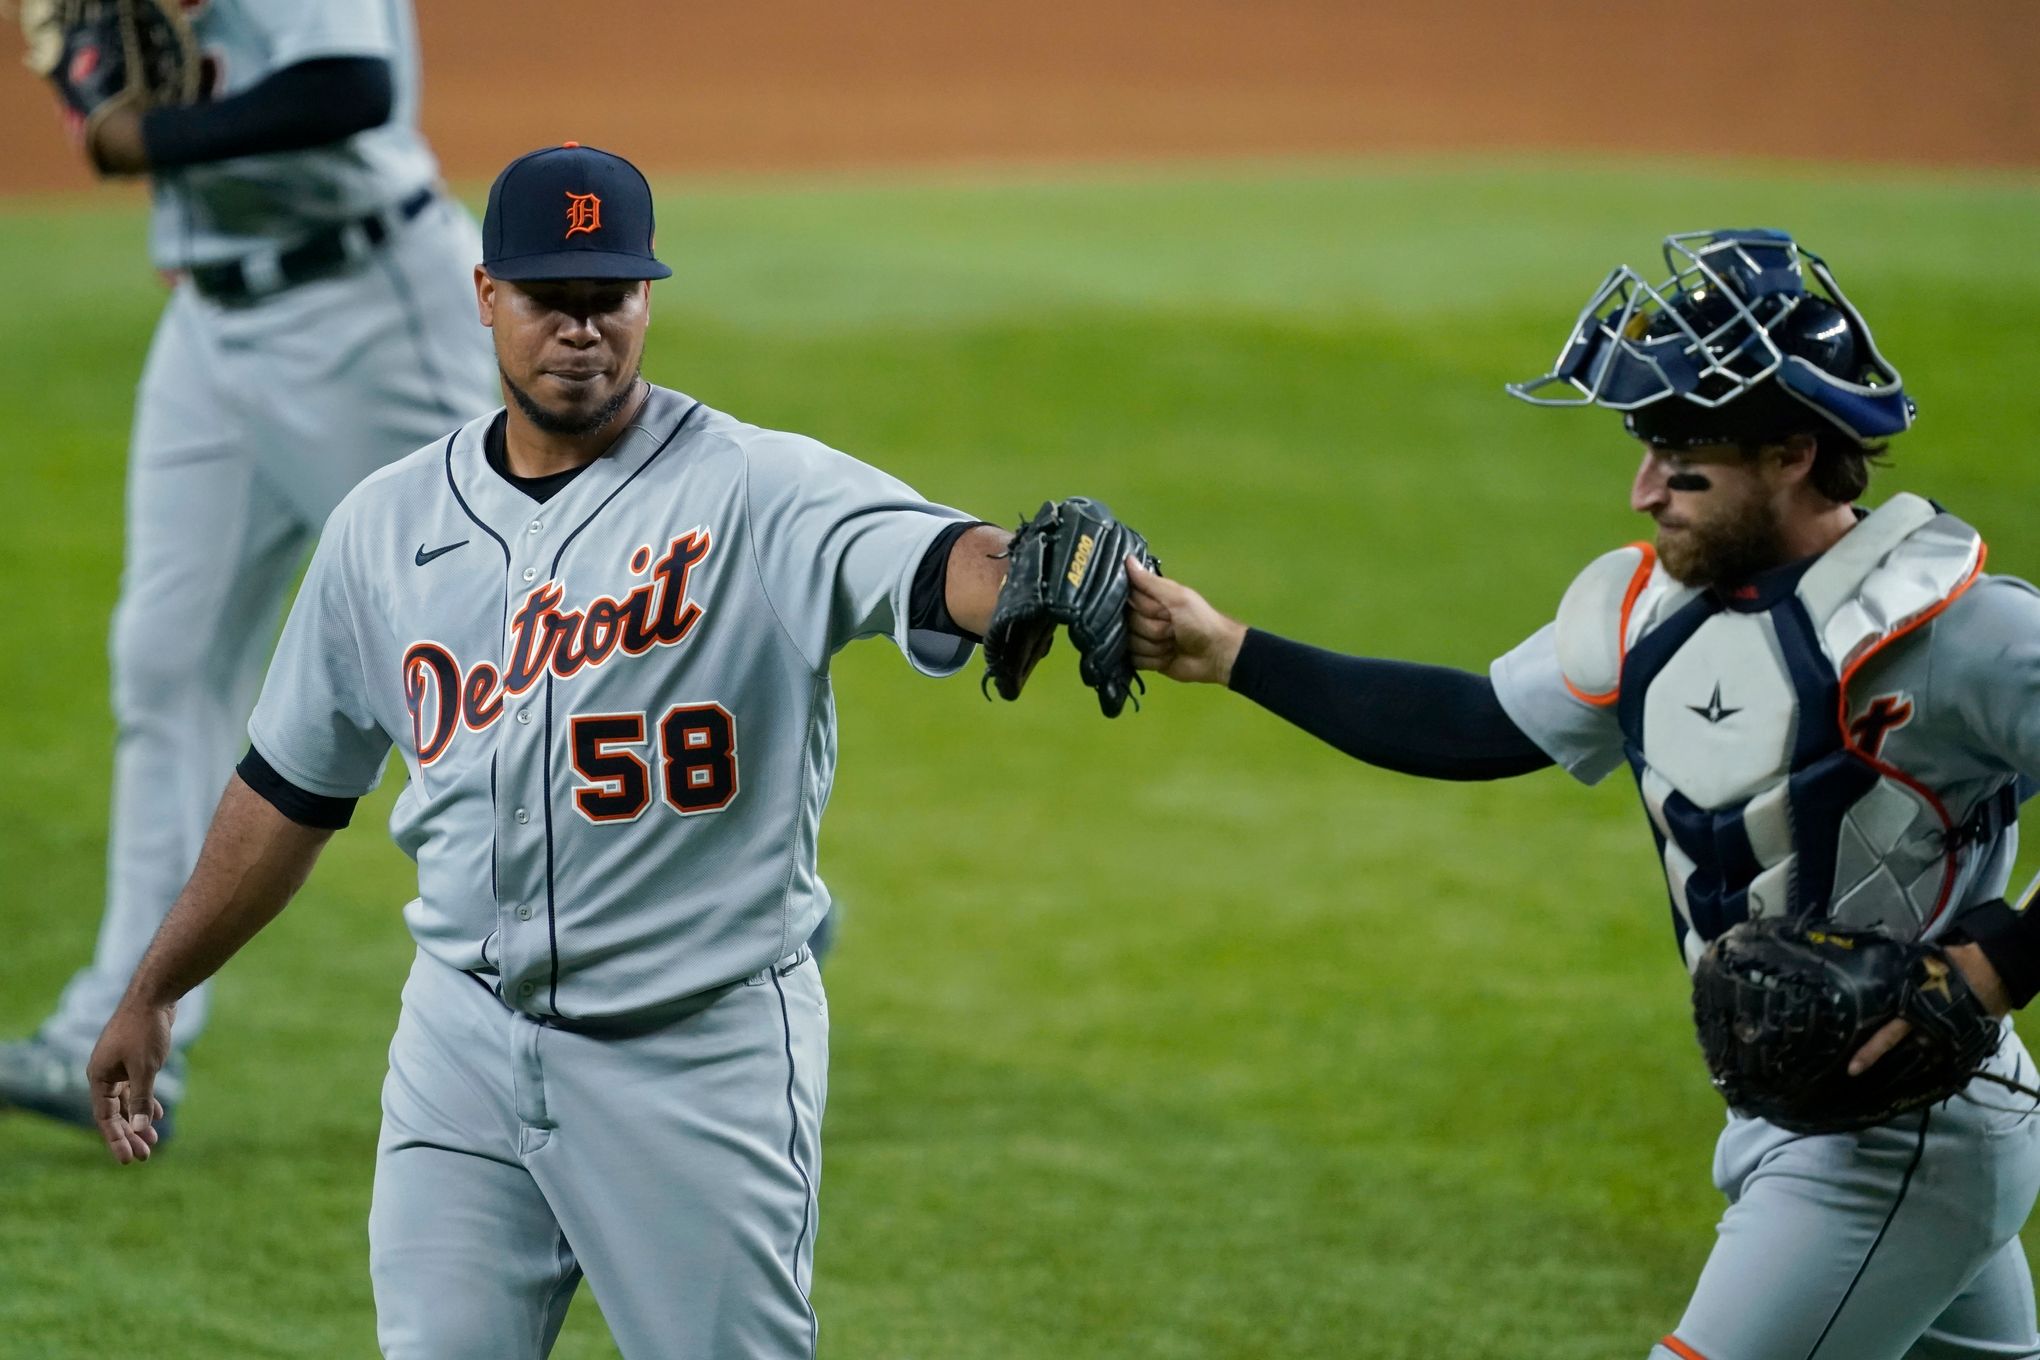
x: 570, y: 212
x: 584, y: 212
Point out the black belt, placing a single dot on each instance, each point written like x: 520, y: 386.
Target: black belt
x: 323, y: 252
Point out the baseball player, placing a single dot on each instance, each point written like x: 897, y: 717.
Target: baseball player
x: 1827, y: 712
x: 597, y: 625
x: 313, y: 334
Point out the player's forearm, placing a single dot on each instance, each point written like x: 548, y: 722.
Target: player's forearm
x: 975, y: 571
x: 313, y: 103
x: 253, y: 861
x: 2007, y: 940
x: 1430, y: 721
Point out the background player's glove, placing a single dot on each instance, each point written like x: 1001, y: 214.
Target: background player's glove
x: 106, y: 55
x: 1782, y: 1006
x: 1067, y: 566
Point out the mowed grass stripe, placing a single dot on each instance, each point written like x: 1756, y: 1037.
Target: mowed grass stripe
x: 1180, y: 1036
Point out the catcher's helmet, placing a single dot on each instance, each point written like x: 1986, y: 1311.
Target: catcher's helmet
x: 1734, y: 345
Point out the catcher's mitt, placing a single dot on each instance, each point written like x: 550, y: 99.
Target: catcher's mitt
x: 1782, y: 1006
x: 1067, y: 566
x: 103, y: 55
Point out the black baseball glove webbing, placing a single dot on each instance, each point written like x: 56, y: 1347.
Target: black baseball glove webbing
x: 1067, y: 567
x: 1782, y: 1006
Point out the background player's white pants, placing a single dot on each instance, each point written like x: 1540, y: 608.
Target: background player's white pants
x: 251, y: 423
x: 1878, y: 1245
x: 675, y: 1164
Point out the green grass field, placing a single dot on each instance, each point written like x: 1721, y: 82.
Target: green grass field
x: 1177, y: 1037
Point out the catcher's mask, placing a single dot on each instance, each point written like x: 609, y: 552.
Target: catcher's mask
x: 1738, y: 321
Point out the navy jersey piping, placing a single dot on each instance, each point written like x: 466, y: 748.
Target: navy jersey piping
x: 552, y: 924
x: 552, y: 921
x: 793, y: 1156
x: 465, y: 509
x: 495, y: 846
x: 1919, y: 1154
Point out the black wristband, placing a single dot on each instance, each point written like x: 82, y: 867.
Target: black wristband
x: 928, y: 600
x: 300, y: 805
x: 2010, y: 939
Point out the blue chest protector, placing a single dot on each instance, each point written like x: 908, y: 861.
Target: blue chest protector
x: 1765, y: 797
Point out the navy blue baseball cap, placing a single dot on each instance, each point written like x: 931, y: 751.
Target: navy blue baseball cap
x: 570, y: 212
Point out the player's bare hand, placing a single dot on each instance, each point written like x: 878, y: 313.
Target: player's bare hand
x: 122, y: 1070
x: 1176, y: 633
x: 1982, y: 978
x: 115, y: 146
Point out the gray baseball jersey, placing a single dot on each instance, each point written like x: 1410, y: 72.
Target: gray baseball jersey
x: 224, y: 210
x: 614, y: 707
x: 1900, y: 1241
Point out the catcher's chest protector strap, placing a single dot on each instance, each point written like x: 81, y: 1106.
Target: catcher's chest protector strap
x: 1762, y: 800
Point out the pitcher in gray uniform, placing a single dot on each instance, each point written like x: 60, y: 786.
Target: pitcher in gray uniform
x: 316, y: 331
x: 597, y: 626
x: 1828, y: 712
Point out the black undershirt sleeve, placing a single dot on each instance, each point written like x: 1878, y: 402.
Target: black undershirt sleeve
x: 928, y: 605
x: 300, y: 805
x: 1431, y: 721
x: 2010, y: 939
x: 310, y: 104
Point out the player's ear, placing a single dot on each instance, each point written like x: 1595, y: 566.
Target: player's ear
x: 485, y: 296
x: 1795, y: 456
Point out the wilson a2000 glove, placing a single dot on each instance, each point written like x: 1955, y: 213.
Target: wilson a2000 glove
x: 1782, y: 1006
x: 1067, y: 567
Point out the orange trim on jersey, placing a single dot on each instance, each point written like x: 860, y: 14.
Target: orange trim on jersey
x: 1681, y: 1349
x: 1884, y: 767
x: 1637, y: 582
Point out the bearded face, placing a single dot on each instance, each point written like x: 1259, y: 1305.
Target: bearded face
x: 1720, y: 528
x: 1726, y: 538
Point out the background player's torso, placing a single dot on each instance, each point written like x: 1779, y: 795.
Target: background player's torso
x: 223, y: 210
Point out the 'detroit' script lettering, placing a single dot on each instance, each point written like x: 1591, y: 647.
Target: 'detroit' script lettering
x: 443, y: 698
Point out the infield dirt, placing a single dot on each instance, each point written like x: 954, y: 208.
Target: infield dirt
x: 776, y: 85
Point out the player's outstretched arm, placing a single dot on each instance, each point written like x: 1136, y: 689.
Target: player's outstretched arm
x: 253, y: 860
x: 1430, y: 721
x: 1177, y: 633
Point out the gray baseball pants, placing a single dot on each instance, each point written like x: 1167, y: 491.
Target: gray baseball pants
x: 1896, y: 1243
x: 252, y: 421
x: 674, y: 1163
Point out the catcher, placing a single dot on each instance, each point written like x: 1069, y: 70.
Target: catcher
x: 1830, y: 714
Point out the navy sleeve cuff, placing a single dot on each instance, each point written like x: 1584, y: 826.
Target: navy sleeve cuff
x: 928, y: 606
x: 300, y: 805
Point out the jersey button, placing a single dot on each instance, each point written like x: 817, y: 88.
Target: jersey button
x: 524, y: 715
x: 522, y: 816
x: 531, y: 573
x: 526, y: 988
x: 536, y: 525
x: 524, y: 913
